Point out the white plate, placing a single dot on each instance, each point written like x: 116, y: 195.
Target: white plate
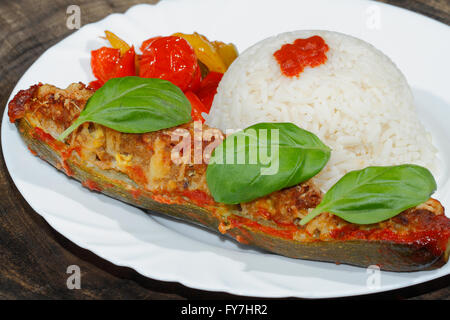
x: 165, y: 249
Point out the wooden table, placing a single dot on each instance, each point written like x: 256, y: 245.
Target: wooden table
x: 34, y: 257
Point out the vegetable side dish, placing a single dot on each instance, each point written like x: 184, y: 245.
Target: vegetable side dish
x: 190, y: 61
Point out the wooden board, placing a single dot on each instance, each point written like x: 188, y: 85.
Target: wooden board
x: 34, y: 257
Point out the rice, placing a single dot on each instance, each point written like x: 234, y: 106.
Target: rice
x: 358, y: 103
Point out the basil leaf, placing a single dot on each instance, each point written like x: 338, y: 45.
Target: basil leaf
x: 265, y: 157
x: 375, y: 194
x: 135, y: 105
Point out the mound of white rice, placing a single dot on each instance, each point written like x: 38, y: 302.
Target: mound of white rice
x: 358, y: 103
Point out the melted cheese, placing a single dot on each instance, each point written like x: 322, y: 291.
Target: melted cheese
x: 123, y: 161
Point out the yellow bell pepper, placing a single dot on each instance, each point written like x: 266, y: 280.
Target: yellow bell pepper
x: 227, y: 52
x: 117, y: 43
x: 205, y: 51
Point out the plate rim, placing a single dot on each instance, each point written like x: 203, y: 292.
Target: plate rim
x: 47, y: 217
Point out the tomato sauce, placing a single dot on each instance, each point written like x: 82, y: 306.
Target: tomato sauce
x: 92, y: 185
x: 56, y: 145
x: 294, y: 57
x: 242, y: 240
x: 43, y: 136
x: 66, y: 155
x: 136, y: 193
x: 138, y: 175
x: 199, y: 197
x: 287, y: 232
x: 32, y: 151
x: 161, y: 199
x: 433, y: 234
x: 263, y: 213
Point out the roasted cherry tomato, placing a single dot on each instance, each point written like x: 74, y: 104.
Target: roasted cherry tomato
x: 126, y: 66
x: 197, y: 107
x: 146, y: 44
x: 104, y: 62
x: 208, y: 89
x: 169, y: 58
x: 194, y: 86
x: 95, y: 85
x: 107, y: 63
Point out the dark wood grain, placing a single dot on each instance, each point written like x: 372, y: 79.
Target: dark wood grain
x: 33, y: 256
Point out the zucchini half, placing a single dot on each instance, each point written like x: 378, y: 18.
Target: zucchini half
x: 387, y: 255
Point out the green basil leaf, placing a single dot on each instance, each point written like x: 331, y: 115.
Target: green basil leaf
x: 135, y: 105
x: 375, y: 194
x: 264, y: 158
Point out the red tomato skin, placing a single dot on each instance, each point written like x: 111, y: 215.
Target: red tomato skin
x: 147, y: 43
x: 126, y: 65
x: 207, y: 100
x: 107, y: 63
x: 194, y: 86
x: 103, y: 63
x: 95, y: 85
x: 169, y: 58
x: 212, y: 79
x: 197, y: 106
x: 208, y: 88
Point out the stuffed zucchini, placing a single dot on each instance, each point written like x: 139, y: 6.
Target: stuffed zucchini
x: 138, y: 168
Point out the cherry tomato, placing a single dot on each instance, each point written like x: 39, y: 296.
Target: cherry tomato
x: 103, y: 63
x: 126, y: 66
x: 169, y: 58
x: 107, y: 63
x: 208, y: 89
x: 197, y: 107
x: 194, y: 86
x: 147, y: 43
x: 95, y: 85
